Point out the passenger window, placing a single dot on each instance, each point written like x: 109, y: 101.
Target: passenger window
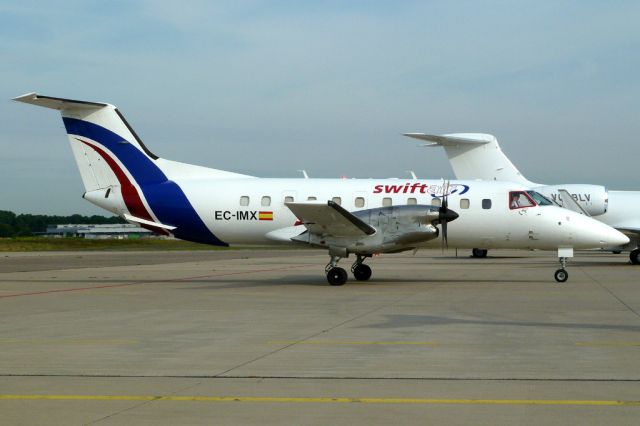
x: 359, y: 202
x: 266, y: 201
x: 288, y: 199
x: 436, y: 202
x: 519, y: 199
x: 464, y: 203
x: 386, y: 202
x: 311, y: 198
x: 337, y: 200
x: 244, y: 200
x: 412, y: 201
x: 486, y: 204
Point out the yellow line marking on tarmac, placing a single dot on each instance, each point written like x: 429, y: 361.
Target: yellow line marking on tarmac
x: 604, y: 344
x: 67, y: 342
x: 322, y: 400
x: 347, y: 342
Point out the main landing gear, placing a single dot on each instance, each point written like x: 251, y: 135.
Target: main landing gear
x: 634, y: 256
x: 479, y: 253
x: 338, y: 276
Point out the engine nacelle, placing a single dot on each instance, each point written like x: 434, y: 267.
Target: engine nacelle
x: 594, y: 199
x: 398, y: 228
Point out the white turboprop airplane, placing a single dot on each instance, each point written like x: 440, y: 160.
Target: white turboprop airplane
x: 478, y: 156
x: 345, y: 216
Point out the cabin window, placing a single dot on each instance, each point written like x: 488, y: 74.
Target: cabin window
x: 519, y: 200
x: 244, y: 200
x: 359, y: 202
x: 288, y: 199
x: 386, y: 202
x: 464, y: 203
x: 540, y: 199
x: 311, y: 198
x: 486, y: 203
x: 436, y: 202
x: 266, y: 201
x: 411, y: 201
x: 337, y: 200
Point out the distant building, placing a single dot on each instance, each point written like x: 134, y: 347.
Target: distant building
x: 119, y: 231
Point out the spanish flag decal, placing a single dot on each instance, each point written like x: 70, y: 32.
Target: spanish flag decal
x: 265, y: 215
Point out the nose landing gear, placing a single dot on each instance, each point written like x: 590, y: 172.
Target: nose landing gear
x: 561, y: 275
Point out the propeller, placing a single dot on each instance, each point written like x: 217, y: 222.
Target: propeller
x: 444, y: 214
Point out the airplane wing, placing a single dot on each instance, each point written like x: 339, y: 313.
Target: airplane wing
x: 330, y: 219
x: 627, y: 228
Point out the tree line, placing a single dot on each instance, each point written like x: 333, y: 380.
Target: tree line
x: 22, y: 225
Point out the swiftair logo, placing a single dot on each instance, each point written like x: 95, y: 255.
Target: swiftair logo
x: 420, y: 188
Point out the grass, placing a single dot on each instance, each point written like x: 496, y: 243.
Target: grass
x: 81, y: 244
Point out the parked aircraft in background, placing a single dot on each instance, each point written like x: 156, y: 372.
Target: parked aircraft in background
x: 478, y: 156
x: 344, y: 216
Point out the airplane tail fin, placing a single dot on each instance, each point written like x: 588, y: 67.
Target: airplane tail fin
x: 475, y: 156
x: 121, y: 175
x: 104, y: 145
x: 107, y: 149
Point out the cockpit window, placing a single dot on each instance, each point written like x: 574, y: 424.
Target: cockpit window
x: 519, y: 200
x: 540, y: 199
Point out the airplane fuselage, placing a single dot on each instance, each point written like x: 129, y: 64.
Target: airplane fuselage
x: 251, y: 210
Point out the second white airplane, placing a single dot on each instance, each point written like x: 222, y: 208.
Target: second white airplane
x: 479, y: 156
x: 360, y: 217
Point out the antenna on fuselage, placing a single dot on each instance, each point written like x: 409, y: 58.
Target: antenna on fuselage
x: 304, y: 173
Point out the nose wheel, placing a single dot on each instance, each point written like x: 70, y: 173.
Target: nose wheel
x: 561, y: 275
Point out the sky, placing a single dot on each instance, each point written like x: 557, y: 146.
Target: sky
x: 270, y: 87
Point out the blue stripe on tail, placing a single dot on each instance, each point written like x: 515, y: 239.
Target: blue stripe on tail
x: 165, y: 198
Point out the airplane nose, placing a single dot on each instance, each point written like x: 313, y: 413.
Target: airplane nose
x: 616, y: 238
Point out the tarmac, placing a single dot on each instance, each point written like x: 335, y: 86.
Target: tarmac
x: 259, y: 337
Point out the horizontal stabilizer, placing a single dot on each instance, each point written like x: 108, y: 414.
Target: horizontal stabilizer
x: 58, y: 103
x: 330, y: 218
x: 448, y: 140
x: 150, y: 223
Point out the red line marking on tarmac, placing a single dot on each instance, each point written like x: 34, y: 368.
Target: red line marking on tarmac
x: 65, y: 290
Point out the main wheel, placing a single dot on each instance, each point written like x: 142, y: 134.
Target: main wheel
x: 635, y: 256
x: 479, y: 253
x: 337, y: 276
x: 362, y: 272
x: 561, y: 275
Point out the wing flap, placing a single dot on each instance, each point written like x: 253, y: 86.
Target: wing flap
x: 330, y: 219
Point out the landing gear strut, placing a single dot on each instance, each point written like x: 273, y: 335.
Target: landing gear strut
x: 561, y: 275
x: 634, y: 256
x: 335, y: 274
x: 361, y: 272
